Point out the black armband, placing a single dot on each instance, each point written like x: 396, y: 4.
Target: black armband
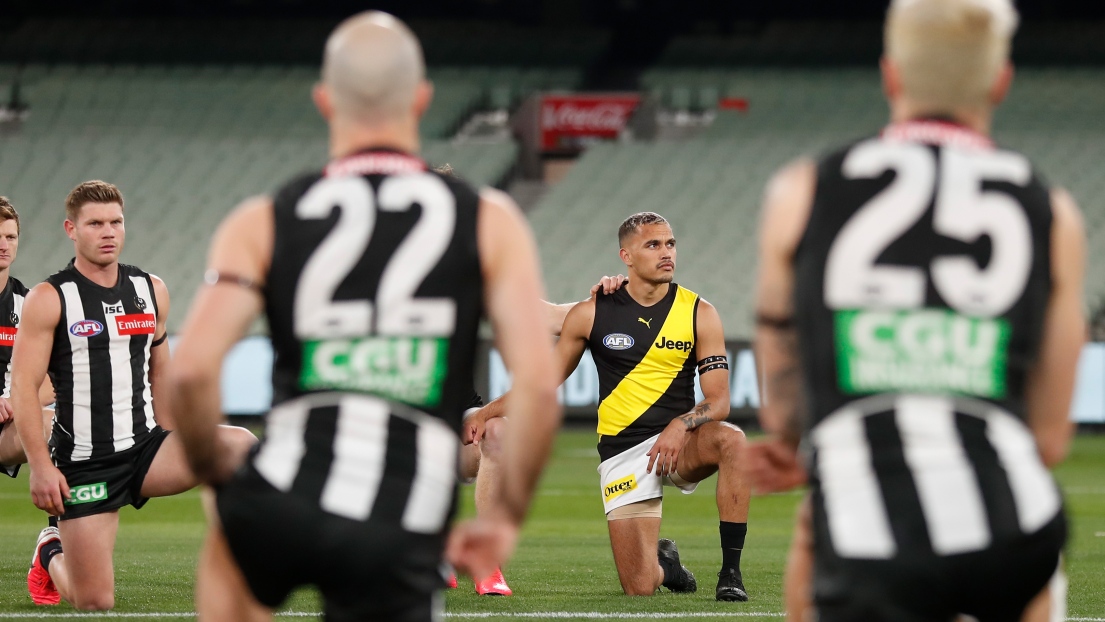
x: 213, y: 277
x: 776, y: 322
x: 702, y: 370
x: 160, y: 340
x: 712, y: 359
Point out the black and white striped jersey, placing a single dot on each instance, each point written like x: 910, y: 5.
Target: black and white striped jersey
x: 11, y: 310
x: 373, y: 300
x: 100, y: 364
x: 921, y: 285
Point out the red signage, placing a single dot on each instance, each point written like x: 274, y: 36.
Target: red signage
x: 564, y: 119
x: 136, y: 324
x: 7, y: 335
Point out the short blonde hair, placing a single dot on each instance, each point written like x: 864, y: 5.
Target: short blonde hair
x: 949, y: 52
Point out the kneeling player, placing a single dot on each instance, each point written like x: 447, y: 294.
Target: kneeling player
x: 647, y: 340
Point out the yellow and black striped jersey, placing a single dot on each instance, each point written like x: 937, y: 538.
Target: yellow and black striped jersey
x: 645, y: 358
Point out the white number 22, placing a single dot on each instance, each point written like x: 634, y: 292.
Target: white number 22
x: 318, y: 315
x: 963, y: 210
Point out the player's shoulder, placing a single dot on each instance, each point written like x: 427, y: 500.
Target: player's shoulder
x: 17, y: 287
x: 581, y: 316
x: 289, y: 193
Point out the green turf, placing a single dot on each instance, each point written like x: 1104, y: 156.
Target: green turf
x: 563, y: 563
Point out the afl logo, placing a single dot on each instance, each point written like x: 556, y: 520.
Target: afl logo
x: 618, y: 341
x: 86, y: 328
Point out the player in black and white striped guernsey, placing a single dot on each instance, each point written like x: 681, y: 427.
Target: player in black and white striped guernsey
x: 11, y: 308
x: 920, y: 319
x: 98, y: 328
x: 373, y: 274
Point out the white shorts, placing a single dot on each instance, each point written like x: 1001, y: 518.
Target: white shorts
x: 625, y: 479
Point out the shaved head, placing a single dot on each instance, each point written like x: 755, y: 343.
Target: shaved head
x: 372, y: 67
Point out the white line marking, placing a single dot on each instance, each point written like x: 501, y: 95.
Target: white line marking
x: 543, y: 615
x: 562, y: 615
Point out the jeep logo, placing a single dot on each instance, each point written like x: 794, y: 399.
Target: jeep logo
x: 87, y: 493
x: 684, y: 346
x: 618, y: 341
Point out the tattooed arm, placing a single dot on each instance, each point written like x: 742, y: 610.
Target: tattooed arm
x: 786, y: 211
x: 713, y: 371
x: 772, y: 464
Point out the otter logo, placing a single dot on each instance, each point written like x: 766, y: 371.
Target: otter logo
x: 87, y: 493
x: 684, y: 346
x: 618, y: 341
x: 86, y: 328
x: 613, y: 490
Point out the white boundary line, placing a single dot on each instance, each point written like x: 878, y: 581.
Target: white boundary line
x: 543, y: 615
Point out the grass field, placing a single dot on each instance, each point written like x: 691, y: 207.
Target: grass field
x: 563, y: 567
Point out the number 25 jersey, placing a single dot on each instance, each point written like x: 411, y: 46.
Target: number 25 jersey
x: 921, y: 285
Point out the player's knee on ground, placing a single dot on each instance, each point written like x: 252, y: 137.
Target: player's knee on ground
x: 93, y: 602
x: 494, y: 433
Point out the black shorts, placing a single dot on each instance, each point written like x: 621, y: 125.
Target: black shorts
x: 106, y: 484
x: 993, y: 585
x: 12, y: 470
x: 364, y: 570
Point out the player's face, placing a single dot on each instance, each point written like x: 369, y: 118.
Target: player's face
x: 9, y: 243
x: 98, y: 232
x: 650, y: 253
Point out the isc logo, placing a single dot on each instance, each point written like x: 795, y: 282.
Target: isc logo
x: 618, y: 341
x: 86, y: 328
x: 115, y: 309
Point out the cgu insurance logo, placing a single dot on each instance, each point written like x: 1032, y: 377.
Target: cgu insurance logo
x: 87, y: 493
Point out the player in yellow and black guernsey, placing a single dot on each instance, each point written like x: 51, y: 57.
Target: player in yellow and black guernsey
x: 647, y: 340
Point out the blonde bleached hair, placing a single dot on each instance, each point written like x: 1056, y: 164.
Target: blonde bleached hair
x: 949, y: 53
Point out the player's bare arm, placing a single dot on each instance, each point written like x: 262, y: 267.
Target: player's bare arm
x: 513, y: 291
x: 1051, y: 381
x: 220, y: 315
x: 159, y: 358
x: 30, y: 360
x: 663, y: 458
x: 568, y: 352
x: 772, y: 464
x: 557, y: 313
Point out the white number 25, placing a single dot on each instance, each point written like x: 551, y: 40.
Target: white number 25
x: 963, y: 210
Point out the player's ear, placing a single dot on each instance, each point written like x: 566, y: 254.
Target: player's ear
x: 423, y: 95
x: 624, y: 254
x: 321, y: 96
x: 1001, y: 85
x: 891, y: 79
x: 70, y: 229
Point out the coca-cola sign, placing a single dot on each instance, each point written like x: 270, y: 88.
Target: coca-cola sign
x: 566, y: 118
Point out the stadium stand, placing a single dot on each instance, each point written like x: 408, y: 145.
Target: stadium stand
x: 185, y: 143
x: 710, y: 186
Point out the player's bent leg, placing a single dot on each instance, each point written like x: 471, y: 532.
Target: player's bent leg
x: 1050, y: 605
x: 491, y: 475
x: 83, y: 572
x: 469, y: 458
x: 717, y: 446
x: 169, y: 473
x: 633, y: 542
x: 11, y: 450
x: 221, y: 590
x: 798, y: 575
